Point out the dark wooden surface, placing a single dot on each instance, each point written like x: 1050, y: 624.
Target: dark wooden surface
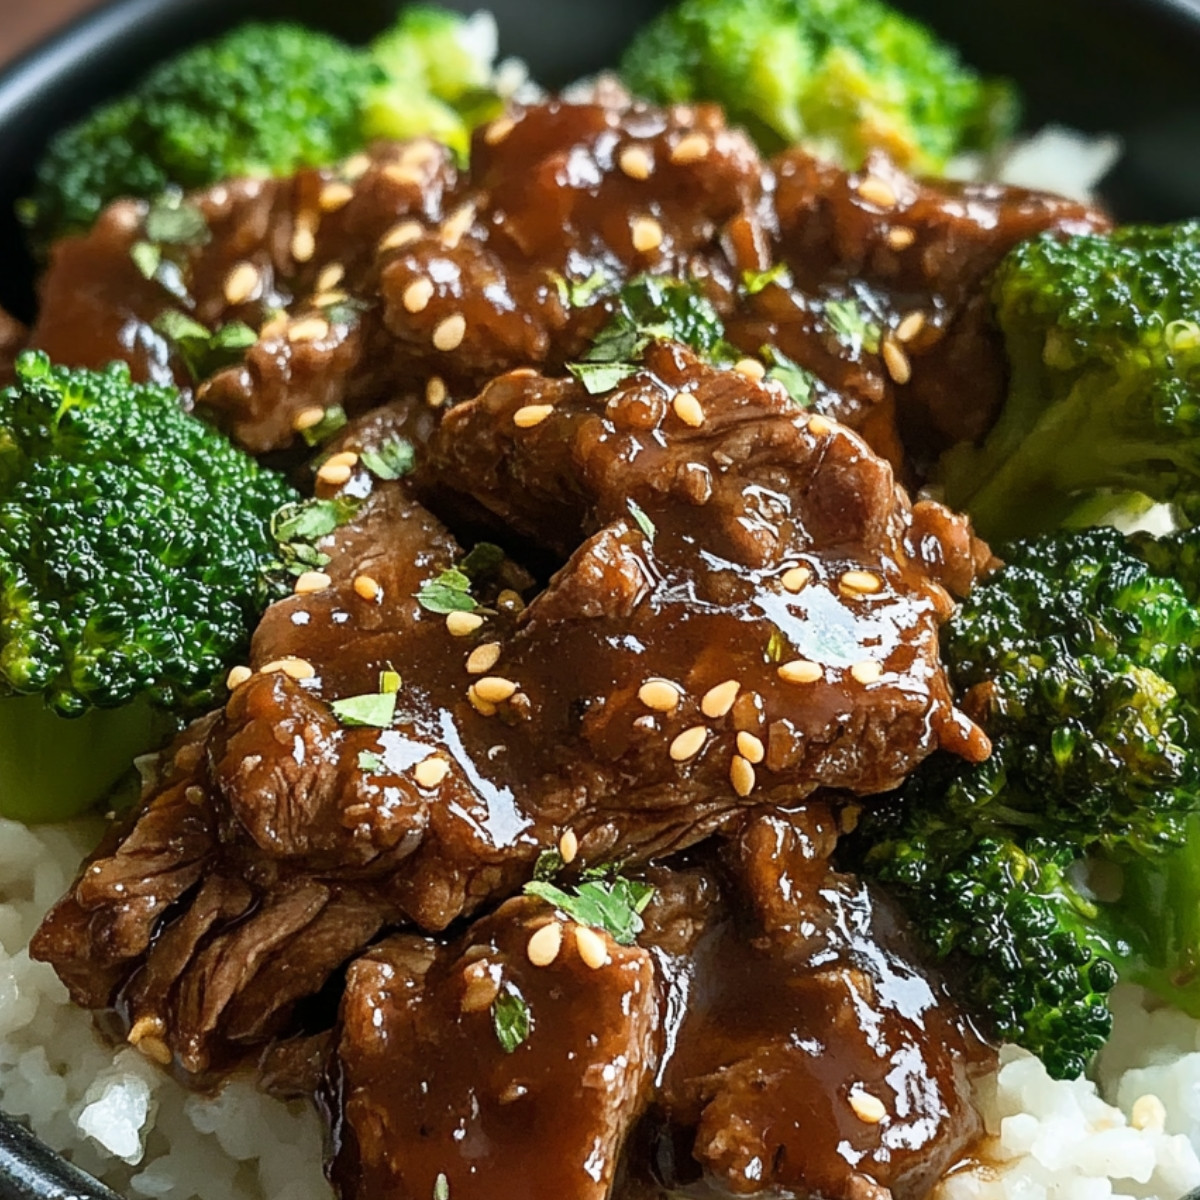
x: 25, y: 22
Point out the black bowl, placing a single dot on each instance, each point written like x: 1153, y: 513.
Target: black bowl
x: 1121, y: 66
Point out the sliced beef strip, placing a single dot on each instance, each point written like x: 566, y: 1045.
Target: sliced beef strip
x: 13, y: 336
x: 426, y: 1090
x: 324, y: 832
x: 915, y: 255
x: 814, y: 1056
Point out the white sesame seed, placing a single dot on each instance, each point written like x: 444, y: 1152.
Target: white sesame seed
x: 462, y: 624
x: 485, y: 708
x: 335, y: 196
x: 335, y: 474
x: 417, y: 295
x: 330, y: 276
x: 344, y: 458
x: 750, y: 747
x: 495, y: 689
x: 435, y: 392
x: 800, y: 670
x: 719, y: 700
x: 865, y: 583
x: 741, y: 775
x: 237, y: 677
x: 241, y: 283
x: 691, y: 148
x: 751, y: 368
x: 304, y: 243
x: 796, y: 579
x: 530, y: 415
x: 457, y: 225
x: 875, y: 191
x: 900, y: 238
x: 498, y: 130
x: 647, y: 235
x: 311, y: 581
x: 145, y: 1027
x: 636, y: 161
x: 661, y: 695
x: 867, y: 671
x: 449, y: 334
x: 867, y: 1108
x: 481, y: 990
x: 1148, y: 1112
x: 544, y: 945
x: 568, y: 846
x: 910, y: 326
x: 356, y: 166
x: 483, y: 658
x: 308, y: 418
x: 896, y: 361
x: 310, y: 329
x: 403, y: 234
x: 405, y: 174
x: 295, y: 668
x: 688, y: 409
x: 688, y: 743
x: 367, y: 588
x: 591, y: 946
x: 431, y: 771
x: 818, y: 426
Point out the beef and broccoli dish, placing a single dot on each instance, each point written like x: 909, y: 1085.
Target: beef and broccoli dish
x: 613, y: 598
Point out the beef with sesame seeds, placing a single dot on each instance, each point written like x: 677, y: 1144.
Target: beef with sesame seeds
x: 536, y: 1059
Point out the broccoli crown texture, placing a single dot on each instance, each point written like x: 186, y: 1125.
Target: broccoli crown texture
x: 263, y: 100
x: 1103, y: 338
x: 133, y: 542
x: 846, y: 76
x: 1080, y: 661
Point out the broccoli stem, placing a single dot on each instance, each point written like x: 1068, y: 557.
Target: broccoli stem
x: 52, y: 767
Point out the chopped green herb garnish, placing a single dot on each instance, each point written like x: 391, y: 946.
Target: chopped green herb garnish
x: 642, y: 521
x: 171, y: 221
x: 579, y: 293
x: 333, y: 420
x: 614, y: 905
x: 798, y: 381
x: 449, y: 592
x: 598, y: 378
x: 754, y: 282
x: 484, y: 559
x: 510, y: 1018
x: 371, y: 763
x: 441, y: 1188
x: 776, y: 646
x: 146, y: 257
x: 852, y: 325
x: 376, y: 709
x: 297, y: 528
x: 389, y: 681
x: 548, y: 865
x: 204, y: 352
x: 393, y: 460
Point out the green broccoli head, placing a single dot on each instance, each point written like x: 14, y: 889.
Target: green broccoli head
x: 1079, y: 660
x: 844, y: 76
x: 133, y: 542
x: 263, y: 100
x: 1103, y: 338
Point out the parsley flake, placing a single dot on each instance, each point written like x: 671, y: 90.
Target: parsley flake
x: 598, y: 378
x: 852, y: 325
x: 375, y: 709
x: 297, y: 528
x: 147, y: 257
x: 776, y: 646
x: 441, y: 1188
x: 754, y: 282
x: 484, y: 559
x: 548, y: 864
x: 333, y: 419
x: 614, y: 905
x: 393, y: 460
x: 579, y: 293
x: 642, y: 521
x: 510, y: 1019
x: 171, y: 221
x: 371, y: 763
x: 449, y: 592
x: 798, y: 381
x: 204, y: 351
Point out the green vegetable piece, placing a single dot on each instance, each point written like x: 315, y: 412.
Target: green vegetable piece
x: 204, y: 352
x: 1080, y: 659
x: 332, y: 422
x: 853, y: 326
x: 297, y: 527
x: 1103, y: 340
x: 449, y: 592
x: 799, y: 382
x: 510, y: 1019
x: 393, y: 460
x: 441, y: 1188
x: 614, y: 905
x: 375, y: 709
x: 840, y: 76
x: 640, y: 519
x: 484, y: 559
x: 372, y: 763
x: 134, y: 542
x: 754, y: 282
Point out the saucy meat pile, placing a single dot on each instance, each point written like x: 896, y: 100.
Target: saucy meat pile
x: 692, y: 627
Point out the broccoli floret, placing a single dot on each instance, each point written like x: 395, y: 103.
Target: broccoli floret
x: 843, y: 76
x: 440, y: 80
x: 267, y: 99
x: 1103, y: 342
x: 134, y: 542
x: 1079, y: 660
x: 263, y: 100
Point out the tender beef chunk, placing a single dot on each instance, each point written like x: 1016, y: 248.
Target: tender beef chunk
x: 796, y: 556
x: 12, y: 340
x: 812, y: 1055
x: 428, y: 1088
x: 915, y: 255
